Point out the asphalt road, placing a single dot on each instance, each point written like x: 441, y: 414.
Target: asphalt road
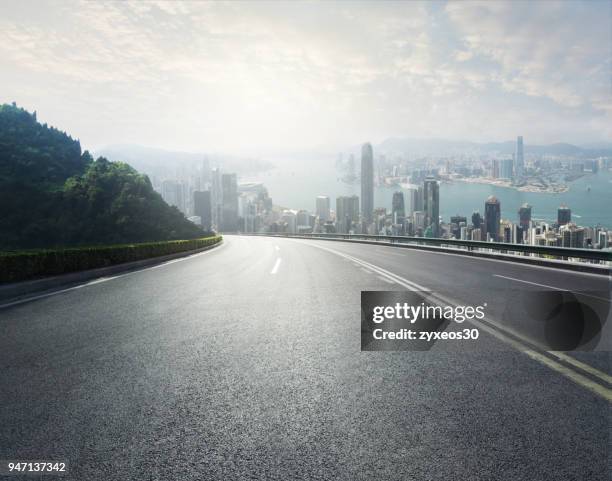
x: 244, y: 362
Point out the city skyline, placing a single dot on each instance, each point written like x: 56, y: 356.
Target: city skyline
x: 247, y: 207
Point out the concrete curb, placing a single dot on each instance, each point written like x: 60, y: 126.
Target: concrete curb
x: 18, y: 290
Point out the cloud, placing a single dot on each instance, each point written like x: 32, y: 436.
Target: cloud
x: 290, y: 75
x: 463, y: 55
x: 557, y: 50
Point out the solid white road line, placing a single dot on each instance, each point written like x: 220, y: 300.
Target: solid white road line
x: 576, y: 377
x: 605, y: 272
x: 49, y: 294
x: 550, y: 287
x: 365, y: 270
x: 104, y: 279
x: 276, y: 266
x: 385, y: 279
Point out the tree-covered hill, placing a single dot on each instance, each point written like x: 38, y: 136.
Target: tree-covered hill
x: 52, y: 194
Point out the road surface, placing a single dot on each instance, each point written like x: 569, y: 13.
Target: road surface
x: 244, y: 362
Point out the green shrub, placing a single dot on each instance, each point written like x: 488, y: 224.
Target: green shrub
x: 19, y: 266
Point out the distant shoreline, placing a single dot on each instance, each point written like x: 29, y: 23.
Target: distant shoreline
x: 552, y: 189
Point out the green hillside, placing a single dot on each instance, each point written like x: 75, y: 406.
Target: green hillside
x: 52, y: 194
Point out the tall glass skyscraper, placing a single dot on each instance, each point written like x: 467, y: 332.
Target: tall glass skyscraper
x: 202, y: 207
x: 367, y: 183
x: 229, y: 213
x: 564, y: 215
x: 322, y: 207
x: 492, y: 219
x: 431, y: 205
x: 519, y: 165
x: 524, y: 216
x: 347, y: 213
x: 397, y: 206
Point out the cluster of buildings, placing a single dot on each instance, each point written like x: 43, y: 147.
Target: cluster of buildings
x: 216, y: 201
x: 492, y: 228
x: 417, y: 213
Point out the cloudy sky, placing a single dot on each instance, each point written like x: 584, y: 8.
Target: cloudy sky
x: 262, y: 78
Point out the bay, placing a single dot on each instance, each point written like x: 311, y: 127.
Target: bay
x: 296, y: 184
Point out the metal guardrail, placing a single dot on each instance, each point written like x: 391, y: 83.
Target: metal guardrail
x: 563, y: 253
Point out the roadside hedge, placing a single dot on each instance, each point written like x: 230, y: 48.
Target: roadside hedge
x: 19, y: 266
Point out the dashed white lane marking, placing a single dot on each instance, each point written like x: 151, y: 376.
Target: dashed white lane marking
x: 550, y: 287
x: 277, y: 248
x: 276, y: 266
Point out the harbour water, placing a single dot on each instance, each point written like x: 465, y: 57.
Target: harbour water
x: 295, y: 185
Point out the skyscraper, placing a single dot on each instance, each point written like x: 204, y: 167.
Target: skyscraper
x: 217, y: 198
x: 456, y: 223
x: 520, y: 159
x: 564, y: 215
x: 418, y: 204
x: 398, y: 210
x: 506, y: 166
x: 323, y: 208
x: 173, y: 192
x: 572, y: 236
x: 229, y: 210
x: 431, y: 205
x: 492, y: 218
x: 476, y: 219
x: 202, y: 207
x: 411, y: 200
x: 347, y: 213
x: 367, y: 183
x: 524, y: 216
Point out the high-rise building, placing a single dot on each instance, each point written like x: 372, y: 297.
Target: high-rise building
x: 367, y: 183
x: 418, y: 220
x: 602, y: 240
x: 419, y: 198
x: 457, y: 222
x: 229, y: 210
x: 572, y: 236
x: 492, y: 219
x: 505, y: 171
x: 289, y: 220
x: 347, y: 213
x: 323, y: 208
x: 202, y: 207
x: 524, y: 216
x: 495, y: 168
x: 173, y: 192
x: 302, y: 221
x: 398, y: 210
x: 431, y: 205
x: 476, y: 219
x: 412, y: 199
x: 519, y: 167
x: 564, y: 215
x: 217, y: 197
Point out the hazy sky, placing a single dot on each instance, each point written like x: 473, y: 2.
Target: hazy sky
x: 261, y: 78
